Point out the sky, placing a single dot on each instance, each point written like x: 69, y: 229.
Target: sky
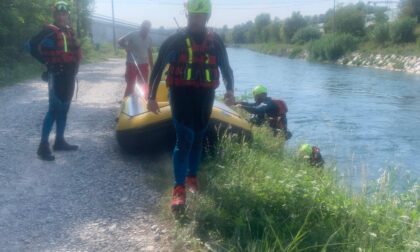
x: 225, y: 12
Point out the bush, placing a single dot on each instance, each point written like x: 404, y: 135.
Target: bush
x: 403, y: 30
x: 331, y: 47
x: 380, y: 34
x: 306, y: 34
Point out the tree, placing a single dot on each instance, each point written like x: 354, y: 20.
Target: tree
x: 238, y: 34
x: 349, y: 19
x: 410, y: 8
x: 262, y: 22
x: 380, y: 33
x: 402, y: 30
x: 306, y: 34
x: 380, y: 16
x: 293, y: 24
x: 275, y: 30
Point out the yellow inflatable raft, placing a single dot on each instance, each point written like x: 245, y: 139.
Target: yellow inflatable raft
x: 139, y: 130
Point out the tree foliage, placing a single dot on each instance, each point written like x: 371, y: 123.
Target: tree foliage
x: 410, y: 8
x: 348, y: 19
x: 380, y: 34
x: 402, y: 31
x: 306, y: 34
x: 293, y: 24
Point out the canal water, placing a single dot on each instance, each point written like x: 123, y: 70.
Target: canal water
x: 364, y: 120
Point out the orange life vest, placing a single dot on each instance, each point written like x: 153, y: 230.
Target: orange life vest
x: 65, y: 50
x: 196, y: 65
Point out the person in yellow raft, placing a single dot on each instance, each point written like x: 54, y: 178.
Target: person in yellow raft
x: 194, y: 55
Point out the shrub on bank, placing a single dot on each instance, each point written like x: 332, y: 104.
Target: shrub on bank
x: 403, y: 30
x: 332, y: 46
x: 257, y: 197
x: 306, y: 34
x: 380, y: 34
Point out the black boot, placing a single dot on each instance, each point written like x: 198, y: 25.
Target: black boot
x: 44, y: 152
x: 61, y: 145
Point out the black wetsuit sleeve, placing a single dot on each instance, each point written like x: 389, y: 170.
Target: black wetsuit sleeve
x: 223, y: 63
x: 35, y: 42
x: 256, y: 109
x: 166, y: 54
x: 247, y: 104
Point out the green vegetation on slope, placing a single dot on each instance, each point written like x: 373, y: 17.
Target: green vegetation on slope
x: 257, y: 197
x: 329, y: 36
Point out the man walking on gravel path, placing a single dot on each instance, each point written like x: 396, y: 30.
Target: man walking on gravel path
x: 56, y: 47
x: 194, y: 56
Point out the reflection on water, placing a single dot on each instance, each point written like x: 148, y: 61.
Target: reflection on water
x: 360, y: 118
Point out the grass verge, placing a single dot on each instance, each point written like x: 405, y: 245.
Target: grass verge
x: 257, y: 197
x: 283, y: 50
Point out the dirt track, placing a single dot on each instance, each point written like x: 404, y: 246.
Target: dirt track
x: 95, y: 199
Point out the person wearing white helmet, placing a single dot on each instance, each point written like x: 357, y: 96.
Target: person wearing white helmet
x: 194, y: 55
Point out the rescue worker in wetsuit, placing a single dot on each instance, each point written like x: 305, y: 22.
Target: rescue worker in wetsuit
x: 266, y: 109
x: 194, y: 56
x: 56, y: 47
x: 312, y: 154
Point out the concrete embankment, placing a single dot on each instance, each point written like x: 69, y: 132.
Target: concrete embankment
x: 409, y: 64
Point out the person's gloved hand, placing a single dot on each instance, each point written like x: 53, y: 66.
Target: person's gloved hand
x: 229, y: 98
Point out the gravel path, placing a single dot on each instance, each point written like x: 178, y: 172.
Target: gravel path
x: 95, y: 199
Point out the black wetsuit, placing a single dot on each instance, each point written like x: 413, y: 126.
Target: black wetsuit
x: 261, y: 110
x: 268, y: 111
x: 191, y: 106
x: 61, y: 80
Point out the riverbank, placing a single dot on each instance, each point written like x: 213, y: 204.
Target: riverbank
x: 391, y: 60
x: 260, y: 197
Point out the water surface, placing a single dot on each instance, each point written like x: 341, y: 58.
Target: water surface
x: 363, y: 119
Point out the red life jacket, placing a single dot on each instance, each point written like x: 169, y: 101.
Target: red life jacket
x: 281, y: 105
x: 65, y: 51
x: 196, y: 65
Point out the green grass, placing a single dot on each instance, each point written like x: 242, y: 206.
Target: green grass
x: 15, y: 71
x: 103, y: 52
x: 285, y: 50
x: 258, y: 197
